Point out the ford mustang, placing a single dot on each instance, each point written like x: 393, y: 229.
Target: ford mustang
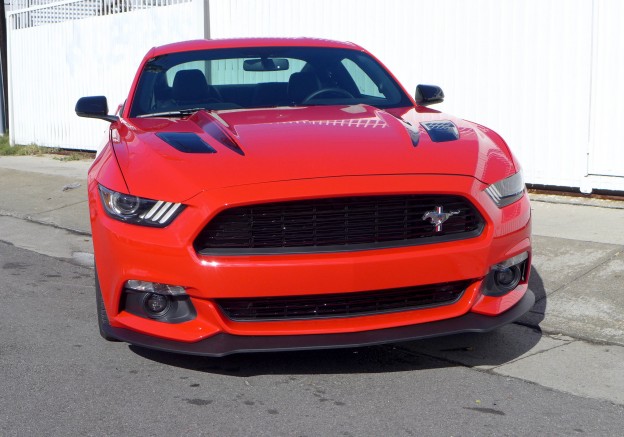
x: 281, y: 194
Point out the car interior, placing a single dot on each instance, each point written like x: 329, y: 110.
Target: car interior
x: 265, y: 82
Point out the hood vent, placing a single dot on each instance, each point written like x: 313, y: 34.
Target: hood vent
x: 441, y: 131
x: 214, y: 131
x: 186, y: 142
x: 413, y: 134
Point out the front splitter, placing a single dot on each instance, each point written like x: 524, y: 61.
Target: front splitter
x: 225, y: 344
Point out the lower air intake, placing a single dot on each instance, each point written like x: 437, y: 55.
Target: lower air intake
x: 341, y: 305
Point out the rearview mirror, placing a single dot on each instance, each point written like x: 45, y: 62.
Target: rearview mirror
x: 94, y: 107
x: 265, y: 64
x: 428, y: 95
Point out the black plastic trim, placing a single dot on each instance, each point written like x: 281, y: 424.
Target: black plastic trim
x: 493, y: 290
x: 225, y: 344
x: 441, y: 131
x: 94, y: 107
x: 186, y: 142
x: 428, y: 95
x: 217, y: 133
x: 413, y: 133
x: 344, y: 248
x: 225, y: 304
x: 180, y: 309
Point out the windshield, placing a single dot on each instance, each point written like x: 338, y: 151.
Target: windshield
x: 179, y: 83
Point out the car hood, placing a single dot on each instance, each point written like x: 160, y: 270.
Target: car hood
x: 253, y: 146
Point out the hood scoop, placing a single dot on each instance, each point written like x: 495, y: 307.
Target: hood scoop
x: 413, y: 134
x: 186, y: 142
x: 441, y: 131
x: 218, y: 133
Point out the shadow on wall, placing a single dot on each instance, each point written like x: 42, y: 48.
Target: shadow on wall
x: 489, y: 349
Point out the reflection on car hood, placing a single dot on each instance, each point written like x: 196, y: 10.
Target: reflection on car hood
x: 263, y: 145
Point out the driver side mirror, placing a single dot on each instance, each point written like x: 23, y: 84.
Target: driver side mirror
x: 428, y: 95
x: 94, y: 107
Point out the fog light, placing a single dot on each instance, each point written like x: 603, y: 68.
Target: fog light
x: 508, y: 278
x: 156, y: 304
x: 505, y: 276
x: 159, y: 307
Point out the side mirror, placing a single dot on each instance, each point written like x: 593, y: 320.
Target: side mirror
x: 94, y: 107
x: 429, y: 94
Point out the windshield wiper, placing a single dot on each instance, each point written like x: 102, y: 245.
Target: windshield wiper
x: 176, y: 113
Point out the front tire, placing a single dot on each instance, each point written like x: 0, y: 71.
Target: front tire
x: 101, y: 311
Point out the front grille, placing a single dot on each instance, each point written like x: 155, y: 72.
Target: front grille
x: 337, y: 224
x: 341, y: 305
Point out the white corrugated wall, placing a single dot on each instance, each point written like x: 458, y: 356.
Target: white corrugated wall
x: 546, y: 74
x: 51, y: 66
x: 524, y: 68
x: 606, y: 151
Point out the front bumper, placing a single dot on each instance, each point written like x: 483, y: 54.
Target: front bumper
x: 166, y: 255
x: 226, y: 344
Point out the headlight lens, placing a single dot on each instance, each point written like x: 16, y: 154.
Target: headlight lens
x: 138, y: 210
x: 507, y: 191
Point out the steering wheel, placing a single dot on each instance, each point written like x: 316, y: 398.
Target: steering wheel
x: 317, y: 93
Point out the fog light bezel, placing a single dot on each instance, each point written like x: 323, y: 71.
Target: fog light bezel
x: 517, y: 264
x: 180, y: 308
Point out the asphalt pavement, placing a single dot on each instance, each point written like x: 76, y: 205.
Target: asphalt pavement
x: 574, y: 334
x: 59, y: 378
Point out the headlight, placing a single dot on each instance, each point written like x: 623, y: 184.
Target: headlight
x: 506, y: 191
x: 137, y: 210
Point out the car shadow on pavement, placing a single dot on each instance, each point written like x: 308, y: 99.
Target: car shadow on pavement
x: 491, y: 349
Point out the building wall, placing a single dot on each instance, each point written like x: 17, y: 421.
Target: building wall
x: 543, y: 73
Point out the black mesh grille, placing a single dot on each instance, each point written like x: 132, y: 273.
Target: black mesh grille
x: 341, y: 305
x: 335, y: 224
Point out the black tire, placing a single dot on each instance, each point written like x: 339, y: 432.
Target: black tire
x: 101, y: 311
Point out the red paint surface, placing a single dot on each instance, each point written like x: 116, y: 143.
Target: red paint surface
x: 289, y: 154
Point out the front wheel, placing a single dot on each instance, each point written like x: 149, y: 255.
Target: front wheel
x: 101, y: 311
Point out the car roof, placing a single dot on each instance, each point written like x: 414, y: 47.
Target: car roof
x: 205, y: 44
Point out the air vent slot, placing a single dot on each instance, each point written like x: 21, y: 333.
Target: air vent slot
x: 342, y: 305
x: 186, y: 142
x: 441, y: 131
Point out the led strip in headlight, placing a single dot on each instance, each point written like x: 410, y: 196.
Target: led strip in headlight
x: 161, y: 211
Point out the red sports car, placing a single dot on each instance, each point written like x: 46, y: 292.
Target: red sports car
x: 278, y: 194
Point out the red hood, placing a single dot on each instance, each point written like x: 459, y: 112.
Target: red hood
x: 264, y: 145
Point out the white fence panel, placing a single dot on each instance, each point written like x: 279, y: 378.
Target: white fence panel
x: 545, y: 74
x: 52, y: 65
x: 606, y: 153
x: 521, y: 68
